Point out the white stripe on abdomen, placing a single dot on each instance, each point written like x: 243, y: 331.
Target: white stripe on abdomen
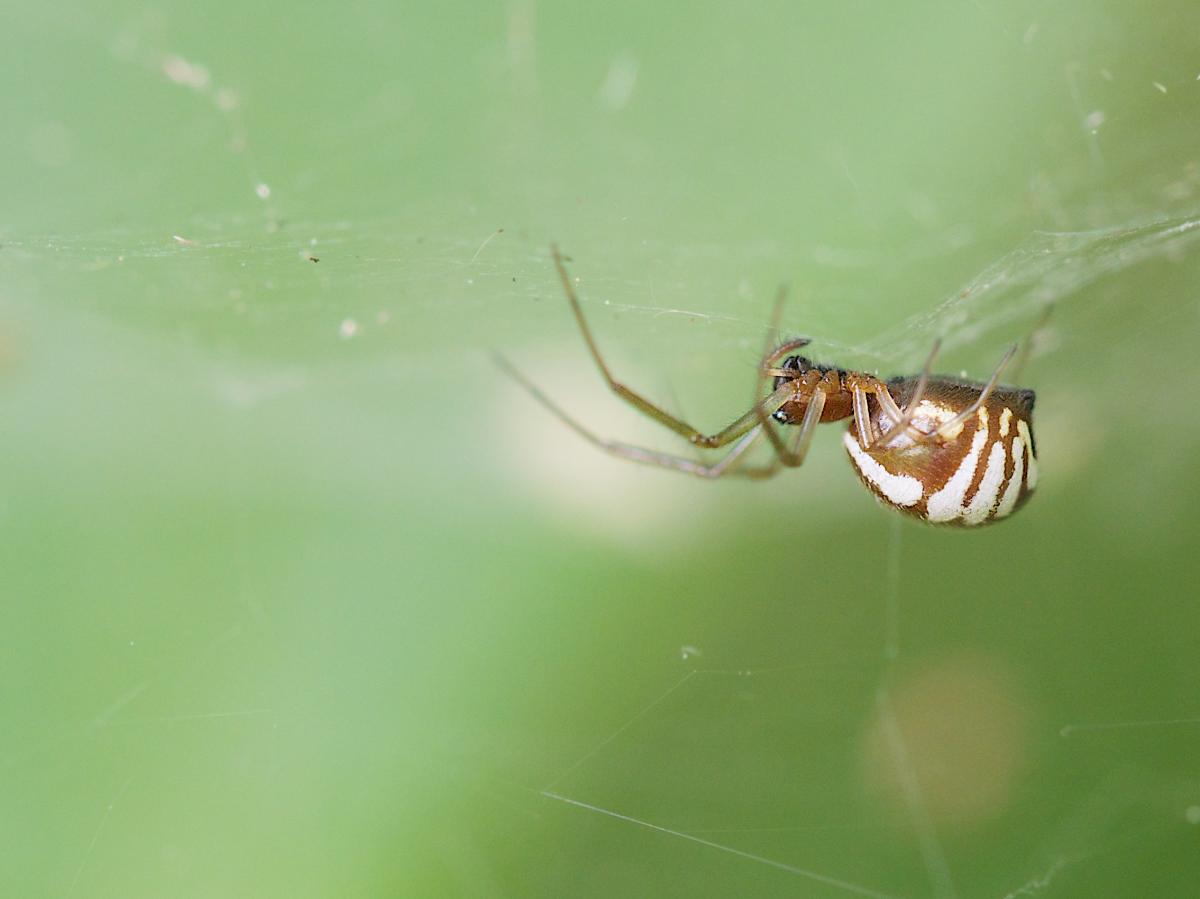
x: 984, y: 500
x: 1031, y: 477
x: 1009, y: 501
x: 899, y: 489
x: 947, y: 503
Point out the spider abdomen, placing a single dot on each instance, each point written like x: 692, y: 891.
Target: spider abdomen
x: 977, y: 472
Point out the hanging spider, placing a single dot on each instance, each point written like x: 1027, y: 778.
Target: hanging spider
x: 942, y: 449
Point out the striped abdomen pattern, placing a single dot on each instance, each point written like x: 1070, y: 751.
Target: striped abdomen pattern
x: 979, y: 472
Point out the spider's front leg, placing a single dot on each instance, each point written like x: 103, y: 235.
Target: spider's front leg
x: 790, y: 453
x: 727, y: 464
x: 650, y: 409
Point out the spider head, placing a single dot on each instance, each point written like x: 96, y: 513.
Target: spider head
x: 798, y: 364
x: 801, y: 365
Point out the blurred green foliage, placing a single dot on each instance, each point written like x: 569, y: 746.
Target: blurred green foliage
x: 305, y: 599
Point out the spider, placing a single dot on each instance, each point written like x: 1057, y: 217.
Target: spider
x: 941, y: 449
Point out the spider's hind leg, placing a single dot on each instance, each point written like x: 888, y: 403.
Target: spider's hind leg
x: 948, y: 427
x: 1026, y: 351
x: 905, y: 416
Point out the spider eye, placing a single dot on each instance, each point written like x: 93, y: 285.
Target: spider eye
x: 798, y: 364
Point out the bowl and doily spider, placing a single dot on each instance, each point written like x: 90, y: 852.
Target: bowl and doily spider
x: 945, y: 450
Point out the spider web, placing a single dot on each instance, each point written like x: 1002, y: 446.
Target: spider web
x: 286, y: 557
x: 1051, y: 270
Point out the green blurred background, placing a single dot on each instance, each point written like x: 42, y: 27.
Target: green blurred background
x: 302, y: 597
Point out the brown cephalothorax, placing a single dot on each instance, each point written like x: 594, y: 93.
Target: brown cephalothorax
x: 942, y: 449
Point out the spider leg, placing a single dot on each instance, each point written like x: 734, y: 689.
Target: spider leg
x: 766, y: 370
x: 721, y: 467
x: 791, y: 454
x: 792, y: 451
x: 776, y: 317
x: 910, y: 407
x: 948, y: 426
x: 771, y: 356
x: 748, y: 437
x: 862, y: 413
x: 884, y: 397
x: 773, y: 352
x: 1021, y: 359
x: 862, y: 418
x: 727, y: 435
x: 772, y: 468
x: 1018, y: 365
